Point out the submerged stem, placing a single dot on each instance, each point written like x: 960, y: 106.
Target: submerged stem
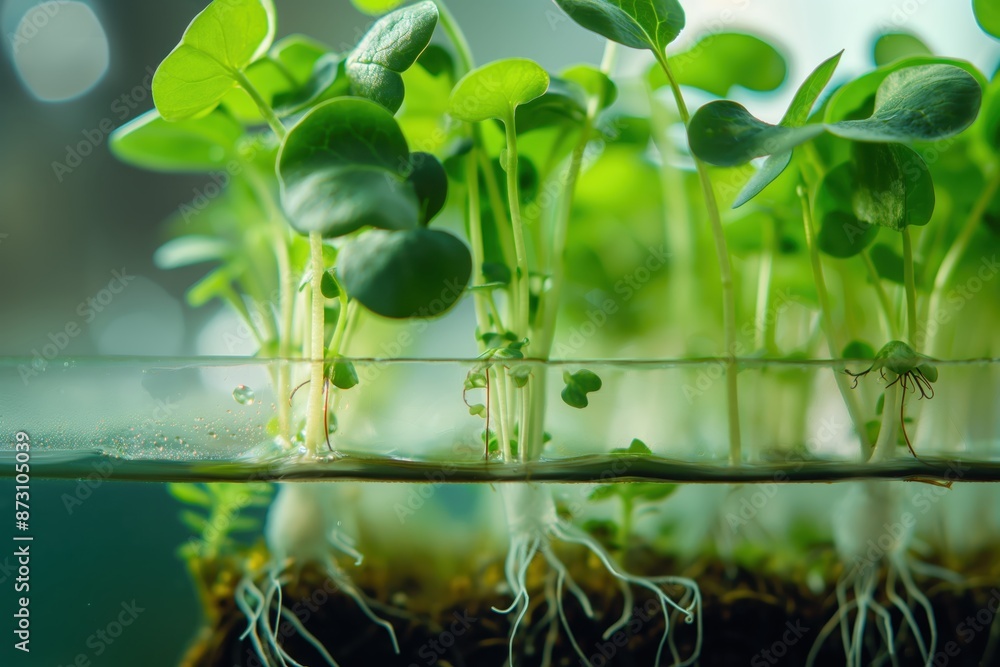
x: 314, y: 411
x: 826, y: 320
x: 725, y: 273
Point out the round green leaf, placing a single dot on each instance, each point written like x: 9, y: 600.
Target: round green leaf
x: 343, y: 131
x: 414, y: 273
x: 430, y: 184
x: 858, y: 349
x: 893, y: 46
x: 887, y: 262
x: 725, y: 134
x: 640, y: 24
x: 922, y: 103
x: 563, y: 103
x: 841, y: 234
x: 497, y: 89
x: 190, y: 249
x: 988, y: 16
x: 344, y: 166
x: 339, y: 200
x: 219, y: 43
x: 893, y: 187
x: 390, y: 47
x: 595, y: 83
x: 196, y: 144
x: 718, y: 62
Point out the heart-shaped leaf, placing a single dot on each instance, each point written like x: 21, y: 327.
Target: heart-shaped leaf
x: 563, y: 103
x: 414, y: 273
x: 495, y: 90
x: 841, y: 233
x: 194, y: 144
x: 923, y: 103
x: 893, y: 187
x: 720, y: 61
x: 216, y: 47
x: 390, y: 47
x: 430, y: 184
x: 640, y: 24
x: 796, y: 116
x: 988, y: 16
x: 725, y: 134
x: 578, y: 385
x: 893, y: 46
x: 344, y: 166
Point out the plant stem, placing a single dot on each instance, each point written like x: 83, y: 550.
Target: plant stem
x: 911, y: 289
x: 476, y: 240
x: 888, y: 432
x: 725, y: 272
x: 265, y: 109
x: 826, y: 320
x: 346, y: 311
x: 887, y: 315
x: 521, y: 322
x: 949, y: 264
x: 314, y: 411
x: 457, y: 37
x: 764, y: 339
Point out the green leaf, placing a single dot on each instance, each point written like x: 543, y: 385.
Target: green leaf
x: 328, y: 286
x: 796, y: 116
x: 841, y: 233
x: 202, y: 144
x: 719, y: 61
x: 376, y: 7
x: 343, y: 166
x: 888, y: 263
x: 893, y: 186
x: 414, y: 273
x: 190, y: 249
x: 578, y: 385
x: 194, y: 521
x: 216, y: 47
x: 192, y: 494
x: 327, y: 80
x: 343, y: 374
x: 216, y: 284
x: 640, y: 24
x: 595, y: 83
x: 922, y: 103
x: 725, y: 134
x: 988, y: 16
x: 603, y: 492
x: 650, y: 492
x: 639, y: 448
x: 563, y: 103
x: 497, y: 89
x: 430, y: 184
x: 390, y: 47
x: 893, y: 46
x: 857, y: 349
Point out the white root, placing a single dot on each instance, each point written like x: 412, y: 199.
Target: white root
x: 300, y: 531
x: 872, y: 536
x: 534, y: 527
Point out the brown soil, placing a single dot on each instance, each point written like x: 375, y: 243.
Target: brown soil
x: 748, y: 618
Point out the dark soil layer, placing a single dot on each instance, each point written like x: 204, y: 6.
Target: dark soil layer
x: 749, y: 619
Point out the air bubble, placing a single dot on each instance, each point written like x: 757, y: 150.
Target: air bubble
x: 243, y: 395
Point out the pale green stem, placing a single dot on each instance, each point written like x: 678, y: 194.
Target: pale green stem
x: 503, y: 408
x: 265, y: 109
x: 725, y: 272
x: 826, y: 323
x: 457, y: 37
x: 476, y: 240
x: 888, y: 435
x: 314, y: 410
x: 945, y: 273
x: 521, y: 323
x: 343, y: 317
x: 764, y: 339
x: 911, y: 289
x: 888, y: 320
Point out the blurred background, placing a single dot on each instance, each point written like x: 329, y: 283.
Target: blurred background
x: 72, y: 71
x: 75, y: 225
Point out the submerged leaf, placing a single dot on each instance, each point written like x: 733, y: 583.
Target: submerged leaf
x: 578, y: 385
